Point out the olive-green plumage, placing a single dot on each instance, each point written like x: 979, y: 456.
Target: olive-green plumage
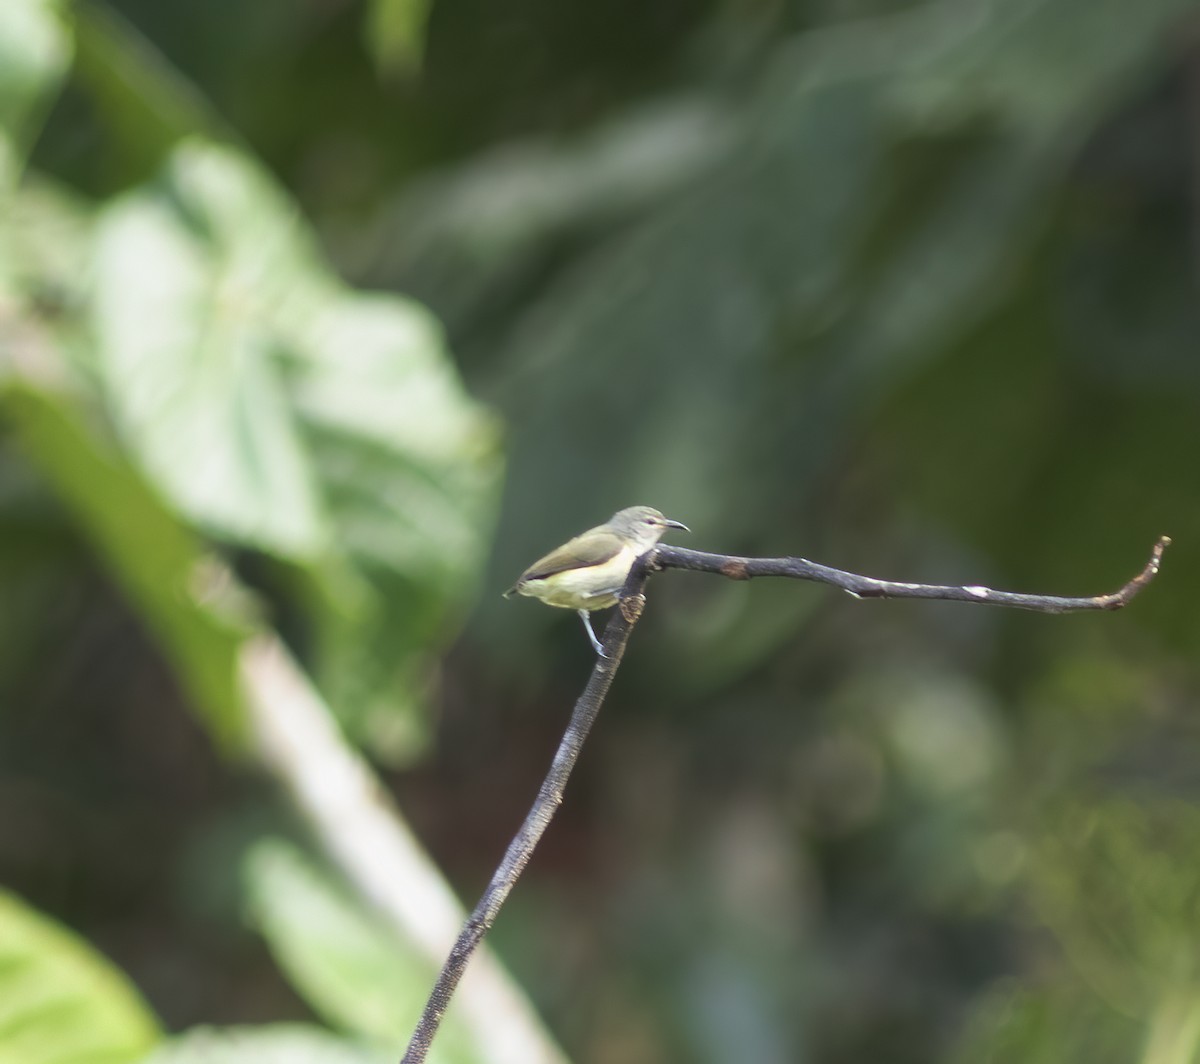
x: 587, y: 572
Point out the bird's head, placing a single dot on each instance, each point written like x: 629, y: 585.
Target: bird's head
x: 644, y: 525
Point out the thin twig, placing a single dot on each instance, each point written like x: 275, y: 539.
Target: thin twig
x: 664, y: 557
x: 616, y: 636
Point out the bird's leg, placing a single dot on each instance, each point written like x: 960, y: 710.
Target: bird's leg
x: 587, y: 624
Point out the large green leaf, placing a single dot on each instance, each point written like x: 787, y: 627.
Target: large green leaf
x: 409, y: 475
x: 346, y: 963
x: 186, y: 351
x: 290, y: 1043
x: 279, y: 410
x: 60, y: 1002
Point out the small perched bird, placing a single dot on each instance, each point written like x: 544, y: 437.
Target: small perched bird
x: 587, y: 573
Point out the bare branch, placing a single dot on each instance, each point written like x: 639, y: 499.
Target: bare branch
x: 735, y: 568
x: 549, y: 798
x: 587, y: 708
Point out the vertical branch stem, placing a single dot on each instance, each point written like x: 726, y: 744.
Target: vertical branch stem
x: 549, y: 798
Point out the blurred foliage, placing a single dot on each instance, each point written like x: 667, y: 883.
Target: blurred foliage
x: 202, y: 396
x: 282, y: 413
x: 273, y: 409
x: 277, y: 1044
x: 186, y: 596
x: 395, y: 32
x: 907, y: 287
x: 59, y: 1002
x: 356, y: 973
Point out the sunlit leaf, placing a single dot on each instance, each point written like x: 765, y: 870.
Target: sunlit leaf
x: 409, y: 472
x: 187, y: 353
x: 60, y: 1002
x: 279, y: 410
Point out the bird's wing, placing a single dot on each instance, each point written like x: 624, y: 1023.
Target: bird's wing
x: 593, y: 547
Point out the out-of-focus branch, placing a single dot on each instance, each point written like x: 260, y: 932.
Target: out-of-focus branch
x: 359, y: 828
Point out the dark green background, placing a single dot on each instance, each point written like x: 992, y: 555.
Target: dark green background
x: 909, y: 289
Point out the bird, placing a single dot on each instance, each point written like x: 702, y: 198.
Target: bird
x: 588, y: 572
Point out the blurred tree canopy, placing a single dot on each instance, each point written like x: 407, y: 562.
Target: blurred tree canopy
x: 324, y: 317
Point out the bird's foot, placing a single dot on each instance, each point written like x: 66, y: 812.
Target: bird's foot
x: 587, y: 624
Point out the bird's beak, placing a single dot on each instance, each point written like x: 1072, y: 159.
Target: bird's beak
x: 676, y: 524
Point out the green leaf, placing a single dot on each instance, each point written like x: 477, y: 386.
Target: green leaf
x: 396, y: 33
x: 349, y: 966
x: 283, y: 1043
x: 409, y: 471
x: 60, y: 1001
x: 185, y: 351
x: 368, y: 372
x: 277, y: 409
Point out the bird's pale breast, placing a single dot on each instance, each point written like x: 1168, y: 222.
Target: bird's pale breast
x: 592, y: 587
